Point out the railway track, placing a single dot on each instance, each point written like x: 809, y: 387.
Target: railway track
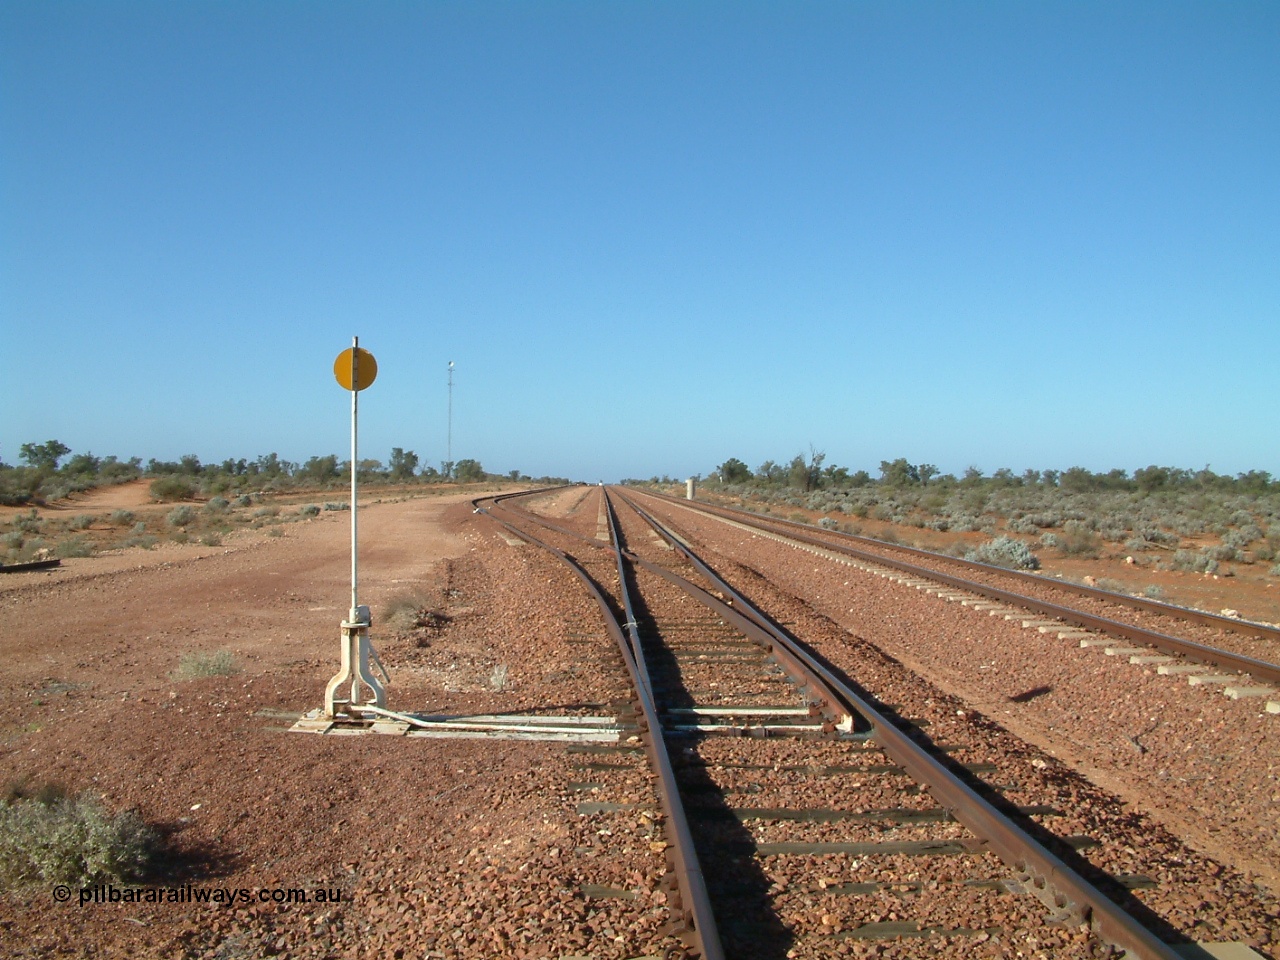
x: 1244, y: 656
x: 804, y: 816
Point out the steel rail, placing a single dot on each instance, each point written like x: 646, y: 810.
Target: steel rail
x: 1046, y: 876
x: 697, y: 921
x: 1260, y: 669
x: 1202, y: 617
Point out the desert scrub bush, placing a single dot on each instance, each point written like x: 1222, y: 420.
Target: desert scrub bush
x: 271, y: 511
x: 13, y: 540
x: 412, y: 610
x: 1193, y: 561
x: 1154, y: 592
x: 217, y: 505
x: 49, y: 838
x: 1242, y: 537
x: 1079, y: 540
x: 172, y: 488
x: 121, y: 518
x: 1157, y: 536
x: 81, y: 521
x: 1114, y: 586
x: 193, y: 666
x: 1275, y: 571
x: 181, y: 516
x: 211, y: 539
x: 1050, y: 541
x: 828, y: 523
x: 309, y: 510
x: 337, y: 506
x: 1005, y: 552
x: 28, y: 522
x: 1021, y: 525
x: 498, y: 678
x: 244, y: 500
x: 1222, y: 551
x: 74, y: 547
x: 144, y: 540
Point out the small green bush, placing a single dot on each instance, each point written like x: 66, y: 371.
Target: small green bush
x: 1154, y: 592
x: 82, y: 521
x: 144, y: 540
x: 244, y: 500
x: 309, y: 510
x: 337, y: 506
x: 192, y: 666
x: 1195, y: 562
x: 48, y: 838
x: 211, y: 539
x: 272, y: 511
x: 172, y: 488
x: 28, y: 522
x: 181, y: 516
x: 121, y: 518
x: 217, y: 505
x: 1005, y: 552
x: 74, y: 547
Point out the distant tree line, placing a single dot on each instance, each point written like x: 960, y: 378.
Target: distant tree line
x: 45, y: 477
x: 808, y: 474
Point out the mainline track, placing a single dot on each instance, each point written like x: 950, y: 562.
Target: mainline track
x: 832, y: 711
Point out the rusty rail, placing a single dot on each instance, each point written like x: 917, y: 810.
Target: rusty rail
x: 697, y: 921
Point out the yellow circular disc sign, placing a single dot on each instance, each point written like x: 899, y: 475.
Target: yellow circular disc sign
x: 355, y: 368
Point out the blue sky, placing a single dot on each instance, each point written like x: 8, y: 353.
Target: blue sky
x: 652, y: 236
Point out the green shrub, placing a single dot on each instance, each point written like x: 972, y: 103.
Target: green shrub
x: 48, y: 838
x: 181, y: 516
x: 244, y: 500
x: 121, y: 518
x: 1154, y: 592
x: 144, y: 540
x: 337, y: 506
x: 309, y: 510
x: 211, y: 539
x: 28, y: 522
x: 217, y: 505
x: 192, y: 666
x: 74, y: 547
x: 172, y: 488
x: 272, y: 511
x: 82, y: 521
x: 1005, y: 552
x: 1196, y: 562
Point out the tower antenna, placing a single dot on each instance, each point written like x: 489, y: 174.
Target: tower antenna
x: 449, y: 443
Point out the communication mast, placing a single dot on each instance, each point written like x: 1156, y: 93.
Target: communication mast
x: 448, y: 455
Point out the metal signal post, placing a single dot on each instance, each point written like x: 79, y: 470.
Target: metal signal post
x: 354, y: 370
